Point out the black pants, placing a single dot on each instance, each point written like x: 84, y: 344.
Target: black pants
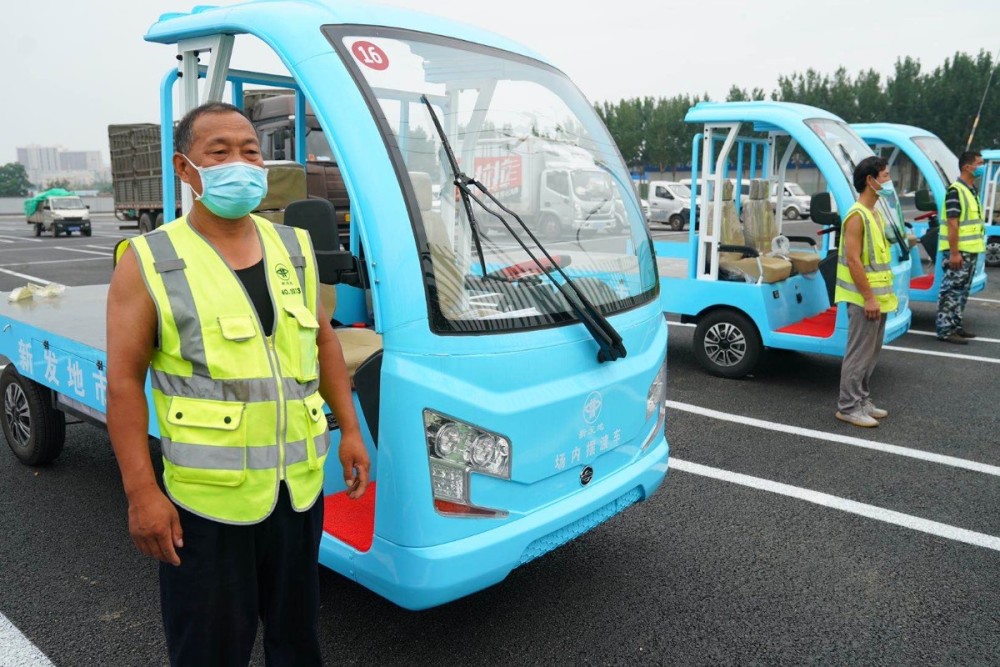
x: 231, y: 575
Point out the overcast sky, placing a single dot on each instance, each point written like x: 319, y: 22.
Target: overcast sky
x: 72, y: 67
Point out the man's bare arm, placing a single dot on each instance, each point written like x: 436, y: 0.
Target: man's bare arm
x: 131, y: 330
x: 335, y: 388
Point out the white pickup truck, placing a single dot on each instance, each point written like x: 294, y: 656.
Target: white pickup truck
x: 62, y: 213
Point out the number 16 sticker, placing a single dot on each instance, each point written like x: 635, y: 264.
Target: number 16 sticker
x: 370, y: 55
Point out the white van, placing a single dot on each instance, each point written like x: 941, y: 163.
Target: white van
x: 668, y: 202
x: 794, y: 201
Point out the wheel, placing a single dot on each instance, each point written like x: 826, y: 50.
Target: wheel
x: 56, y: 231
x: 727, y: 344
x: 159, y: 220
x: 791, y: 213
x: 35, y: 431
x: 993, y: 251
x: 145, y: 223
x: 676, y: 222
x: 86, y: 232
x: 551, y: 228
x: 38, y: 229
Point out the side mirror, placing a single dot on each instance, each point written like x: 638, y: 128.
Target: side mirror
x: 319, y: 218
x: 821, y: 210
x: 924, y: 201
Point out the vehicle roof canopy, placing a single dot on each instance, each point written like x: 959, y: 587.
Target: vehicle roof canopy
x: 31, y: 205
x: 892, y: 133
x: 281, y: 25
x: 991, y: 154
x: 766, y: 116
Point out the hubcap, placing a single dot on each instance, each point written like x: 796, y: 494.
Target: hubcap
x: 725, y: 344
x: 15, y: 409
x: 993, y: 254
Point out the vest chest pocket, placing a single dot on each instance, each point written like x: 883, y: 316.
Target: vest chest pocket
x: 305, y: 354
x: 205, y: 441
x: 237, y: 328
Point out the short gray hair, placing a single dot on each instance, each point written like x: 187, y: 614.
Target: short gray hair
x: 184, y: 132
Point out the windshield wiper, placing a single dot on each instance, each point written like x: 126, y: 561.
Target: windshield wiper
x: 608, y: 339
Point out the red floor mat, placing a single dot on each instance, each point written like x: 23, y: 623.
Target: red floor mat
x: 923, y: 282
x: 351, y: 521
x: 817, y: 326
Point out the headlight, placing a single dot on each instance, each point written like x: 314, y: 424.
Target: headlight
x: 455, y: 449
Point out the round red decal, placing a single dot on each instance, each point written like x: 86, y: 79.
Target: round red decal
x: 370, y: 55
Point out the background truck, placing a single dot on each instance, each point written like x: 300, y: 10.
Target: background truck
x: 554, y: 187
x: 136, y: 174
x: 58, y: 212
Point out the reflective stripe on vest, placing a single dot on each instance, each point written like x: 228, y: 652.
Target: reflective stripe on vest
x: 238, y: 410
x: 971, y: 225
x: 875, y: 258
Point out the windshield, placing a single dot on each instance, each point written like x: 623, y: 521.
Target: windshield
x: 795, y: 189
x: 943, y: 159
x: 66, y: 202
x: 526, y: 133
x: 848, y: 150
x: 682, y: 192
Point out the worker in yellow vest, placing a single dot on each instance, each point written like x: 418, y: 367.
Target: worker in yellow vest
x: 960, y: 243
x: 864, y: 283
x: 221, y: 309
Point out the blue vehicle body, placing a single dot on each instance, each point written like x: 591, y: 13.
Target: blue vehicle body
x: 907, y: 139
x: 795, y: 303
x: 991, y: 205
x: 567, y: 417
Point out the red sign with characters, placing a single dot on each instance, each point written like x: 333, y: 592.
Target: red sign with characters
x: 370, y: 55
x: 501, y: 175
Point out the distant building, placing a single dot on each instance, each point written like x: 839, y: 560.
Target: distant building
x: 45, y: 164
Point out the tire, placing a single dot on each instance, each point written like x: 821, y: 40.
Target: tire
x: 159, y: 221
x: 993, y: 251
x: 35, y: 431
x: 550, y: 228
x: 676, y: 222
x: 145, y: 223
x: 38, y: 229
x: 791, y: 213
x: 86, y: 232
x: 727, y: 344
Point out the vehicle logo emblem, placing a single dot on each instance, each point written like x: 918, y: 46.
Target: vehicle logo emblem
x: 592, y: 407
x: 586, y: 475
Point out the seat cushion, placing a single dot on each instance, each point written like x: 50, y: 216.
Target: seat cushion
x: 775, y: 268
x: 358, y: 344
x: 804, y: 261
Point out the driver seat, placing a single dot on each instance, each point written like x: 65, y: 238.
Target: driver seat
x: 760, y: 229
x: 775, y: 269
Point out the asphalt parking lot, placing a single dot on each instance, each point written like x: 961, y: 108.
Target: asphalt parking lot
x: 780, y: 536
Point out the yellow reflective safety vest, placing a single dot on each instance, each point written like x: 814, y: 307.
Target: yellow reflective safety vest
x: 971, y: 224
x: 875, y: 256
x: 238, y: 409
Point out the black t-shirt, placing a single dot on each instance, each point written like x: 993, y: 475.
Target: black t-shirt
x: 255, y: 282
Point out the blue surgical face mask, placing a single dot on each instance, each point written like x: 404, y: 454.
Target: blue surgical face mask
x: 886, y: 189
x: 232, y: 189
x: 979, y: 171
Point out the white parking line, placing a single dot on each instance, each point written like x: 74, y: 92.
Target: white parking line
x: 16, y: 650
x: 950, y: 355
x: 21, y: 238
x: 58, y: 261
x: 952, y: 461
x: 931, y: 333
x: 978, y: 298
x: 26, y: 276
x: 91, y: 252
x: 843, y: 504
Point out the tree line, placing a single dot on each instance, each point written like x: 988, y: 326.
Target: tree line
x: 651, y: 132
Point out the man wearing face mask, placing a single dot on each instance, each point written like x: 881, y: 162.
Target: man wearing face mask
x: 960, y: 243
x: 864, y: 283
x: 222, y: 308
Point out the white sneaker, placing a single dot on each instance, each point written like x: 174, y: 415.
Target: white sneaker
x: 870, y: 410
x: 858, y: 418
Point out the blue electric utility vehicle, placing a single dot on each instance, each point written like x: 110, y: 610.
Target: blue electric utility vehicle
x: 513, y: 397
x: 738, y: 278
x: 938, y: 167
x: 991, y: 205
